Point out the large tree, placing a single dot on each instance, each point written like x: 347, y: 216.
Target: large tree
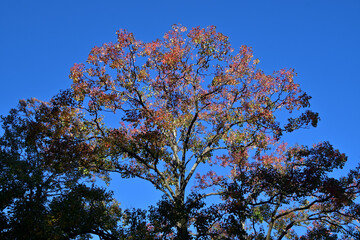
x: 195, y: 118
x: 183, y: 101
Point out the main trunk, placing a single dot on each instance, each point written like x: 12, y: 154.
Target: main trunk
x: 182, y: 217
x: 182, y: 230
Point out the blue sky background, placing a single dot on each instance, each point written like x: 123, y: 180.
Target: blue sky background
x: 320, y: 39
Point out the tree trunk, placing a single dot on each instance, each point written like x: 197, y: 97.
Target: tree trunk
x: 182, y: 230
x: 182, y: 218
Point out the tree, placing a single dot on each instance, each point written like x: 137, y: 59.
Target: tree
x: 39, y: 202
x: 183, y: 101
x: 187, y: 110
x: 291, y: 187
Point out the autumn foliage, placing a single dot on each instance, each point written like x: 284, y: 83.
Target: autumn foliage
x: 196, y: 118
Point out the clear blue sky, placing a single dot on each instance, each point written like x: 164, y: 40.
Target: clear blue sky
x: 41, y: 40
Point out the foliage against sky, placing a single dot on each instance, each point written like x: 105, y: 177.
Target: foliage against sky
x: 318, y: 39
x: 188, y: 100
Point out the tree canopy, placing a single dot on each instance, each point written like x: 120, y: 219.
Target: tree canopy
x: 193, y: 117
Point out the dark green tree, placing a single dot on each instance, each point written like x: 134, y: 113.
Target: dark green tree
x: 40, y: 202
